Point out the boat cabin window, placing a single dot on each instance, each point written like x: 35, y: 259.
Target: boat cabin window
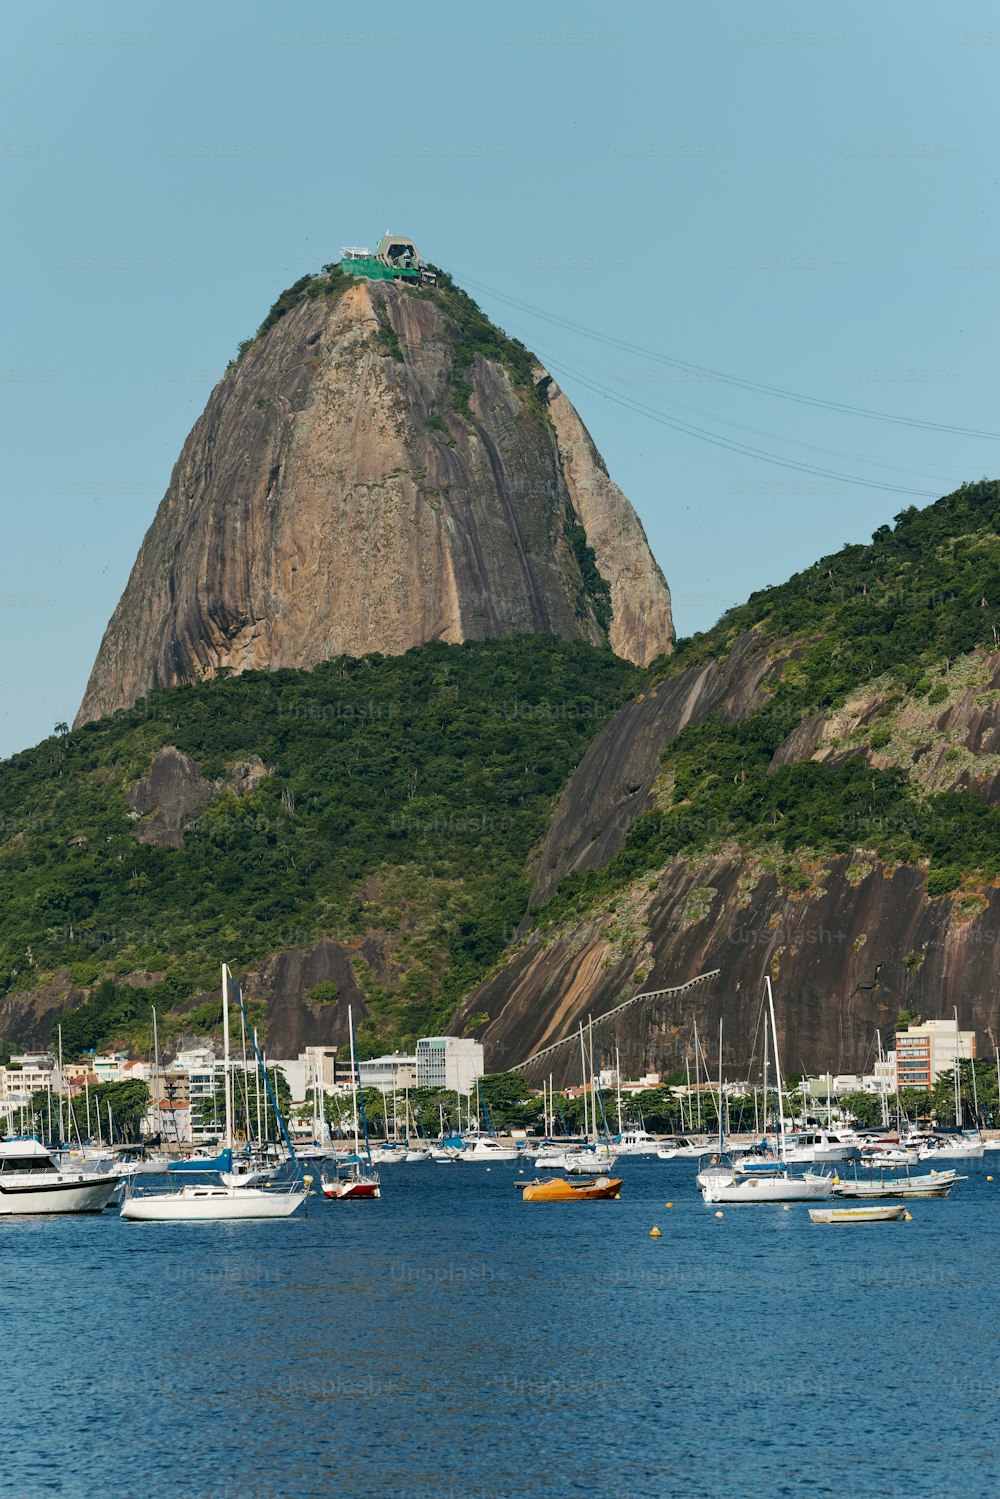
x: 25, y: 1163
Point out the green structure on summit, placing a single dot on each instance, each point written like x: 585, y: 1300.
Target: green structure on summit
x: 395, y: 259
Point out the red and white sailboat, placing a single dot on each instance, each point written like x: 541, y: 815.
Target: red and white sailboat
x: 355, y: 1176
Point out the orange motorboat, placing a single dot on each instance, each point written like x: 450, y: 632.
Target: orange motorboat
x: 558, y: 1189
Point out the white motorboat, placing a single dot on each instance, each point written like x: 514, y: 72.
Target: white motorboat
x: 32, y: 1182
x: 810, y: 1148
x: 636, y: 1142
x: 954, y: 1148
x: 889, y: 1155
x: 489, y: 1150
x: 417, y: 1153
x: 684, y: 1148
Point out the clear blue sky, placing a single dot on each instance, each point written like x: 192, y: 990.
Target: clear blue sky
x: 804, y: 196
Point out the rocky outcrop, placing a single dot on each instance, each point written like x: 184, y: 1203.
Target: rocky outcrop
x: 846, y: 956
x: 171, y: 795
x: 335, y: 497
x: 641, y: 623
x: 174, y: 793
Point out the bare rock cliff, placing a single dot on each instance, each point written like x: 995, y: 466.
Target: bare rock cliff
x: 336, y: 497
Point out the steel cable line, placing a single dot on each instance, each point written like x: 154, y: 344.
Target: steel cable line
x: 742, y: 426
x: 745, y: 449
x: 710, y: 374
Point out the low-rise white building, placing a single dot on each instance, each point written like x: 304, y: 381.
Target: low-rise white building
x: 390, y: 1074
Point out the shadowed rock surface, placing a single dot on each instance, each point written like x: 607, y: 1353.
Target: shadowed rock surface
x: 835, y: 954
x: 335, y: 498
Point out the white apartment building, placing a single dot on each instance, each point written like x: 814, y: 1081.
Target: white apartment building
x: 29, y: 1073
x: 450, y: 1062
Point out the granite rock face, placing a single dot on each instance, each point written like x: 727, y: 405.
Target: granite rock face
x: 845, y: 957
x: 334, y: 498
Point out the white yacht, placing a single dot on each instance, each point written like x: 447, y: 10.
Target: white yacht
x: 810, y: 1146
x: 635, y: 1141
x: 966, y: 1147
x: 488, y: 1149
x: 32, y: 1182
x: 684, y: 1148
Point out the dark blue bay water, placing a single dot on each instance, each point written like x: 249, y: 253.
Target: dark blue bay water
x: 452, y: 1342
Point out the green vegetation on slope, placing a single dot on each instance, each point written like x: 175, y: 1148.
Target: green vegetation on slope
x: 332, y: 283
x: 477, y: 335
x: 920, y: 595
x: 926, y: 588
x: 405, y: 796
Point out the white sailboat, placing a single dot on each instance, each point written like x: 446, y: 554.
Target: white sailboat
x: 729, y: 1182
x: 208, y: 1202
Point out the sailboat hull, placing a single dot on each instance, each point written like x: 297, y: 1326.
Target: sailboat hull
x: 351, y: 1191
x: 726, y: 1187
x: 210, y: 1204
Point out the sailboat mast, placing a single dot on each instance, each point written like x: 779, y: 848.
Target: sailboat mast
x: 720, y: 1084
x: 618, y: 1089
x: 158, y: 1112
x: 777, y: 1063
x: 60, y: 1096
x: 256, y: 1078
x: 354, y: 1079
x: 958, y: 1075
x: 697, y: 1071
x: 593, y: 1079
x: 583, y: 1069
x: 225, y: 1056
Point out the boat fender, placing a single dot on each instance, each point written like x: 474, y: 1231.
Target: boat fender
x: 654, y: 1232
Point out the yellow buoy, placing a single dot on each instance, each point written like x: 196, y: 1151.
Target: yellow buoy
x: 836, y: 1179
x: 989, y: 1178
x: 654, y: 1232
x: 719, y: 1215
x: 907, y: 1217
x: 670, y: 1204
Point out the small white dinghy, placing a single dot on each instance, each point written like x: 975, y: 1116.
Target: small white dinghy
x: 859, y: 1215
